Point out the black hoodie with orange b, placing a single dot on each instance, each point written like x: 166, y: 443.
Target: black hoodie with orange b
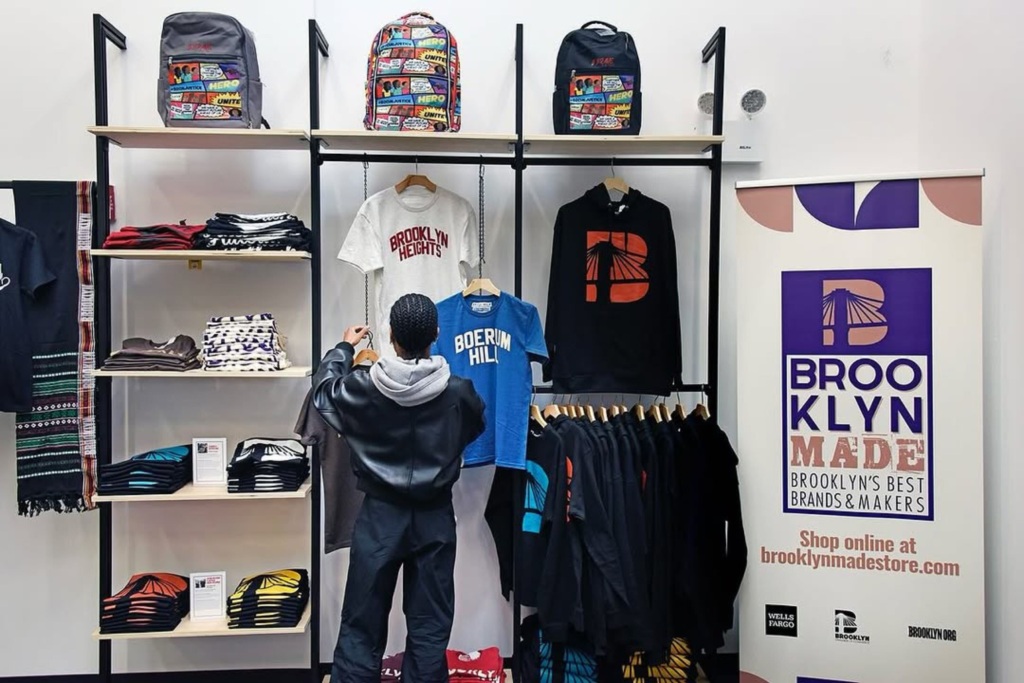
x: 613, y: 297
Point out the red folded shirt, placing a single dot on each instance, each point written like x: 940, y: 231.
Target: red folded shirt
x: 162, y: 236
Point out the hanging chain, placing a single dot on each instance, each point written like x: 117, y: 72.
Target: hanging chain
x: 366, y: 277
x: 481, y: 208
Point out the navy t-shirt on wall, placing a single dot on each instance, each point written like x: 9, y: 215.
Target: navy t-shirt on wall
x: 22, y: 272
x: 492, y: 340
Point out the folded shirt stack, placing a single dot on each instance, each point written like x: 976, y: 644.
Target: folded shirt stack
x: 149, y: 602
x: 164, y: 470
x: 244, y: 342
x: 254, y: 232
x: 271, y: 600
x: 162, y: 236
x: 483, y: 666
x: 138, y: 354
x: 267, y: 465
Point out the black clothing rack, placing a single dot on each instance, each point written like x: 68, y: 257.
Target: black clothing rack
x: 516, y: 158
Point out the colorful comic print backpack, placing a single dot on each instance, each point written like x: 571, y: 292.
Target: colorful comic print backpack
x: 412, y: 78
x: 597, y: 82
x: 209, y: 74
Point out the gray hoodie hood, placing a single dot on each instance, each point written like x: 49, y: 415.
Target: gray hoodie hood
x: 411, y: 382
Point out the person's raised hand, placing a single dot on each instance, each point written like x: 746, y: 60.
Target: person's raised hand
x: 356, y: 334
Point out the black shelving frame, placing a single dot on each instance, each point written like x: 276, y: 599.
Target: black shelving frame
x: 104, y: 32
x: 519, y: 160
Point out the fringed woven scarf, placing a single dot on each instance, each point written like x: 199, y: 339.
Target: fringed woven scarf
x: 56, y: 440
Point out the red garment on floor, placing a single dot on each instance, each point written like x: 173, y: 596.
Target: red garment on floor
x: 483, y: 666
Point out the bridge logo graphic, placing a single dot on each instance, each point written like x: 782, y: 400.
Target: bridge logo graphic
x: 851, y: 313
x: 615, y: 267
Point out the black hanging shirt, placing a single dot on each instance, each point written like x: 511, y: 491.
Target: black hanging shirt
x: 613, y: 298
x: 23, y: 272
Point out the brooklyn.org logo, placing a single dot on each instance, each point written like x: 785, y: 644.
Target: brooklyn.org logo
x: 780, y: 620
x: 929, y: 633
x: 846, y: 627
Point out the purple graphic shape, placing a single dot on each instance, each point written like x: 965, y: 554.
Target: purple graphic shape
x: 891, y: 204
x: 830, y: 203
x: 907, y: 310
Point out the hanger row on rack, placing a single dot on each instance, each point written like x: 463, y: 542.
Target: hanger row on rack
x: 659, y: 412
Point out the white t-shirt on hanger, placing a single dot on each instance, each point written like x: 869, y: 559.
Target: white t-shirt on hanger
x: 417, y: 241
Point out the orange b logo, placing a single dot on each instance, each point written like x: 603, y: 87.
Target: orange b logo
x: 615, y: 272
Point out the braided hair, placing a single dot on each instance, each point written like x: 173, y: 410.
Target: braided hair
x: 414, y: 324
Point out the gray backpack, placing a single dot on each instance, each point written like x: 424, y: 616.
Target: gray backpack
x: 209, y: 74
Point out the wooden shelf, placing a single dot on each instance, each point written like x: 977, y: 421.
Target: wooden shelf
x: 619, y: 145
x: 203, y: 138
x: 201, y: 255
x: 204, y: 629
x: 411, y: 142
x: 190, y: 492
x: 294, y: 371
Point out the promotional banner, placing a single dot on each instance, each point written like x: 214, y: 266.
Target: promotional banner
x: 860, y: 429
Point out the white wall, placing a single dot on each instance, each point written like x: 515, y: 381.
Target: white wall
x: 849, y: 84
x: 970, y: 119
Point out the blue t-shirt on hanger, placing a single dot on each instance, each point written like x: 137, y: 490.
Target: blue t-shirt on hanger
x: 492, y: 340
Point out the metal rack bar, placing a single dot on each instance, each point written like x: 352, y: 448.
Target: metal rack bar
x: 520, y: 479
x: 686, y: 389
x: 103, y: 31
x: 406, y: 158
x: 715, y: 48
x: 318, y: 47
x: 618, y: 161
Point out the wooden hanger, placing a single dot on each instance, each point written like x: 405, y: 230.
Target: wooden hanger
x: 638, y: 410
x: 615, y: 411
x: 588, y: 412
x: 666, y: 414
x: 365, y: 355
x: 680, y: 411
x: 552, y: 411
x: 481, y: 284
x: 415, y: 179
x: 654, y: 414
x: 702, y: 411
x: 602, y: 414
x: 612, y: 183
x: 536, y: 416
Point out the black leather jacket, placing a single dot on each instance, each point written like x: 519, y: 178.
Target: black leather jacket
x: 405, y: 454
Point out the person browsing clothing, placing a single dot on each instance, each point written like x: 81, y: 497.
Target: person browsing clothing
x: 407, y: 422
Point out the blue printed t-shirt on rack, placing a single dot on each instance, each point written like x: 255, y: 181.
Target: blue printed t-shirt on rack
x: 491, y: 340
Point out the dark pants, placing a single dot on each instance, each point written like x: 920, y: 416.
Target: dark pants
x: 422, y: 542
